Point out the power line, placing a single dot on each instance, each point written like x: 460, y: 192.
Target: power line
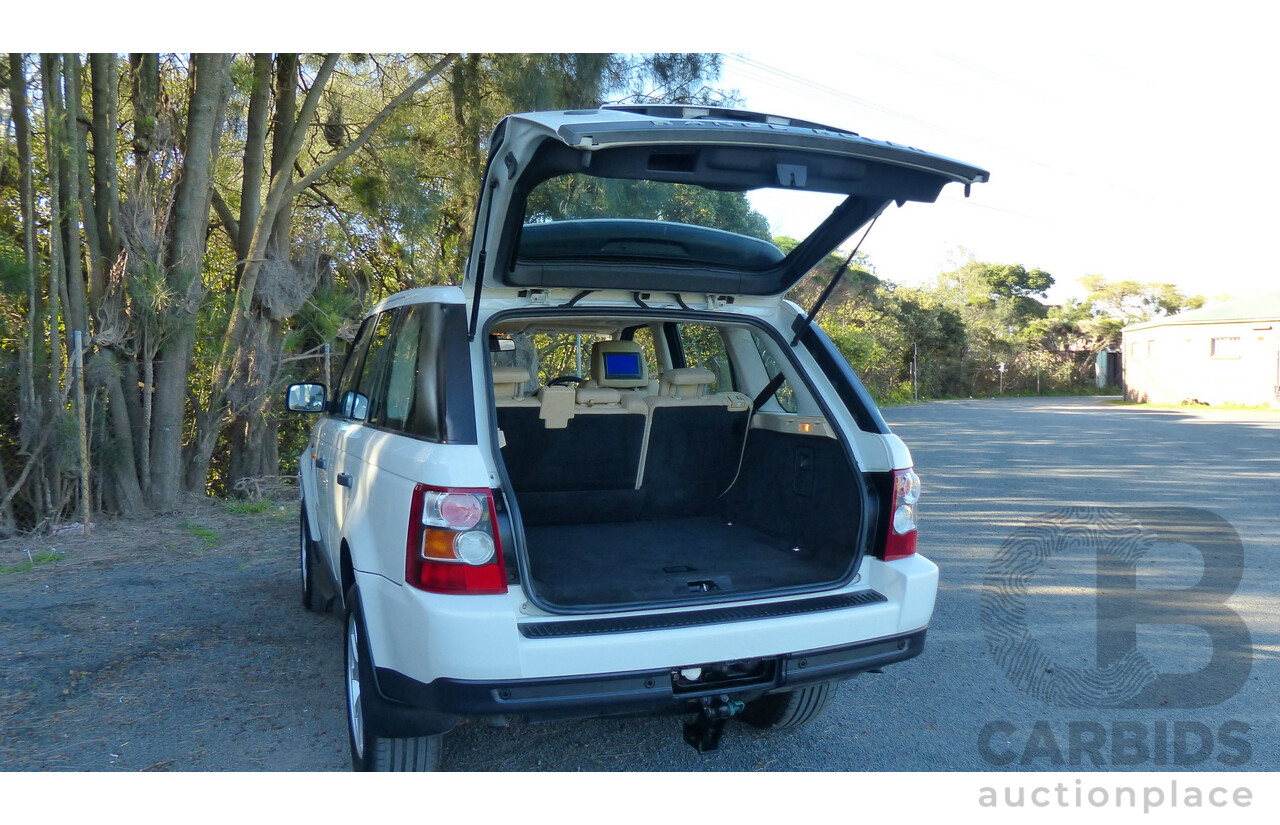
x: 791, y: 82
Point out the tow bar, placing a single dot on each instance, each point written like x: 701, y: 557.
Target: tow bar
x: 703, y: 733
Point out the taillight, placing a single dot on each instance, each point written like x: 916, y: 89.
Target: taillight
x: 901, y: 541
x: 453, y: 542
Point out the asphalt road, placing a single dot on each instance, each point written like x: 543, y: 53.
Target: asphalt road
x: 996, y: 470
x: 179, y: 644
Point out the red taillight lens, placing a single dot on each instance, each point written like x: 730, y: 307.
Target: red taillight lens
x: 453, y: 542
x: 901, y: 541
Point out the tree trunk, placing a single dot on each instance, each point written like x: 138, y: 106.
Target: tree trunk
x: 145, y: 73
x: 254, y: 157
x: 210, y: 87
x: 77, y: 311
x: 30, y: 410
x: 253, y: 439
x: 104, y: 80
x: 54, y: 140
x: 283, y: 151
x: 100, y: 220
x: 235, y: 366
x: 287, y: 145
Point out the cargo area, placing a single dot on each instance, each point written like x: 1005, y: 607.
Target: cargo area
x: 662, y: 492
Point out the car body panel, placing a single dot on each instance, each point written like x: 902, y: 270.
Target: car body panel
x: 459, y: 627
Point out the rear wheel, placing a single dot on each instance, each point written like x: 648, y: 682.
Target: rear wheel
x: 791, y: 709
x: 370, y: 752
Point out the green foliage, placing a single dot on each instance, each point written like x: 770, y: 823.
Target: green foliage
x: 245, y: 508
x: 399, y: 212
x: 33, y: 561
x: 210, y: 537
x: 15, y: 280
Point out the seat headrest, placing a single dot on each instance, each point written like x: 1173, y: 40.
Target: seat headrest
x: 507, y: 381
x: 679, y: 381
x: 619, y: 364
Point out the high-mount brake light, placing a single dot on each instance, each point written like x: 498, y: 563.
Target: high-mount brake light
x: 453, y: 544
x: 901, y: 540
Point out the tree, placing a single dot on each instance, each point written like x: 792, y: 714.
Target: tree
x: 207, y: 218
x: 1130, y: 302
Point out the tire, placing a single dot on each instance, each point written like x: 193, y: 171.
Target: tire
x: 370, y: 752
x: 309, y: 600
x: 791, y: 709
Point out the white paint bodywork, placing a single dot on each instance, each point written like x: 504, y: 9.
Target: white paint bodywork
x: 427, y: 636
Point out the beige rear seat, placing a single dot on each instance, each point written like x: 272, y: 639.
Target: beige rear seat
x: 693, y: 443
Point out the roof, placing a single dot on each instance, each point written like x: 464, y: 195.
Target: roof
x: 1260, y: 308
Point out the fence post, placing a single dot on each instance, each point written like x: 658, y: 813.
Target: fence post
x: 86, y: 504
x: 328, y: 382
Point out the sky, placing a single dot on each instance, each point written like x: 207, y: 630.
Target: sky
x: 1146, y: 165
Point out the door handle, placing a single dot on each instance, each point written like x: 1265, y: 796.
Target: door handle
x: 344, y: 480
x: 320, y: 463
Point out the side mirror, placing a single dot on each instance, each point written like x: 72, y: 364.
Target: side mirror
x: 355, y: 405
x: 307, y: 398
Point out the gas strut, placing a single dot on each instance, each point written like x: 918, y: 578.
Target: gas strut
x: 831, y: 286
x: 800, y: 324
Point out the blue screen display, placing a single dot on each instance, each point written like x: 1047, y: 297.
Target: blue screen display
x: 621, y: 365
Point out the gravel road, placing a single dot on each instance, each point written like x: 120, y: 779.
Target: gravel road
x: 178, y: 643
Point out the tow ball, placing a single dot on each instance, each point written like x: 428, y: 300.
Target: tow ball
x: 703, y: 733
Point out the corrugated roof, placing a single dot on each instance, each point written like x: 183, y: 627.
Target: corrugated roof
x: 1260, y: 308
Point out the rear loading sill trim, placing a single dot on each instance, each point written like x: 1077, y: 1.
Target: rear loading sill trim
x: 695, y: 618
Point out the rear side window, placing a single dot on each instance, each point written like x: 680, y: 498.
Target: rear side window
x: 402, y: 372
x: 703, y: 347
x: 785, y: 394
x: 423, y: 387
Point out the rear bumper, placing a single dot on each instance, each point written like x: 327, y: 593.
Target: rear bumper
x: 412, y: 708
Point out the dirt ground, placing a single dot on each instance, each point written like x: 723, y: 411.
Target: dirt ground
x: 168, y: 643
x: 179, y: 643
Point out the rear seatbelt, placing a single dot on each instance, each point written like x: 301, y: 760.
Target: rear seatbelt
x: 767, y: 392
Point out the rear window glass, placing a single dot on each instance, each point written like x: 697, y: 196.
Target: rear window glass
x: 578, y: 197
x: 579, y: 216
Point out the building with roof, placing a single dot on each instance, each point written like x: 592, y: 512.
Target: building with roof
x: 1224, y: 354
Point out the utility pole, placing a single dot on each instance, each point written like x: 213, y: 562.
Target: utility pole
x: 915, y: 371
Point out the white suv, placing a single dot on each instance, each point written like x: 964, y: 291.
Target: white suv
x: 615, y: 471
